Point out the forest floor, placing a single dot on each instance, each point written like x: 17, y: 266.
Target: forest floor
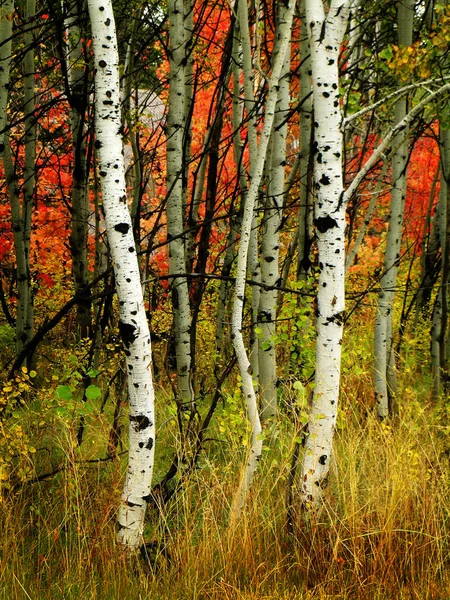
x: 383, y: 532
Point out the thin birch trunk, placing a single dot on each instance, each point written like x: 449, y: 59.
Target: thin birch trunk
x: 326, y: 34
x: 270, y: 242
x: 384, y: 364
x: 133, y: 324
x: 238, y: 153
x: 306, y: 211
x: 283, y: 35
x: 254, y: 267
x: 440, y: 315
x: 76, y: 71
x: 20, y: 211
x: 176, y: 122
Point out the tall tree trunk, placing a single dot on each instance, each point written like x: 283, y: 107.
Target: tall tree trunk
x: 176, y: 122
x: 76, y: 73
x: 253, y: 265
x: 439, y: 333
x: 238, y: 153
x: 326, y: 34
x: 270, y: 240
x: 305, y: 216
x: 384, y: 365
x: 20, y: 210
x: 133, y: 324
x: 284, y: 36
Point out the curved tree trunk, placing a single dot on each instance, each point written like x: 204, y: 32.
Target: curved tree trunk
x: 245, y: 370
x: 133, y: 324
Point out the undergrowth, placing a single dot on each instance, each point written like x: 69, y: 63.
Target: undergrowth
x: 382, y: 532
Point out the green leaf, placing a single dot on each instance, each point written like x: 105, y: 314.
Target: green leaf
x: 64, y: 392
x: 92, y: 373
x: 298, y: 385
x: 92, y: 392
x: 386, y: 53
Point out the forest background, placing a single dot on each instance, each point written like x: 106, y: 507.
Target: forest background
x: 261, y: 190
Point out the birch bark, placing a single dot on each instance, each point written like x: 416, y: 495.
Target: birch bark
x: 383, y: 351
x: 76, y: 68
x: 250, y: 114
x: 284, y: 36
x: 176, y: 121
x: 306, y: 211
x: 238, y: 153
x: 270, y: 240
x: 326, y: 34
x: 133, y: 324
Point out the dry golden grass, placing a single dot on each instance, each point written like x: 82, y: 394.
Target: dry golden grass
x: 382, y: 533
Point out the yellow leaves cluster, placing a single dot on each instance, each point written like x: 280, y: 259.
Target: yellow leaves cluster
x: 16, y: 391
x: 15, y: 447
x: 410, y: 62
x: 420, y: 60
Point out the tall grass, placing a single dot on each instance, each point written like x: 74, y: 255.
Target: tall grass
x: 383, y: 532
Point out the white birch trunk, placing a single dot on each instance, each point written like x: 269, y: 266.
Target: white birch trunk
x: 238, y: 150
x: 175, y: 212
x: 384, y: 321
x: 254, y: 457
x: 326, y: 35
x: 133, y: 324
x: 306, y: 208
x: 270, y: 243
x: 254, y: 267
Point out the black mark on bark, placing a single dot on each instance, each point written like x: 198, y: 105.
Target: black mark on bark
x: 127, y: 333
x: 323, y: 224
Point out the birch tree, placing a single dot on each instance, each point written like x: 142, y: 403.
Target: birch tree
x: 176, y: 122
x: 21, y: 204
x: 326, y: 35
x: 439, y: 326
x: 384, y: 366
x: 133, y: 324
x: 270, y: 240
x: 77, y: 96
x: 253, y: 263
x: 283, y: 37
